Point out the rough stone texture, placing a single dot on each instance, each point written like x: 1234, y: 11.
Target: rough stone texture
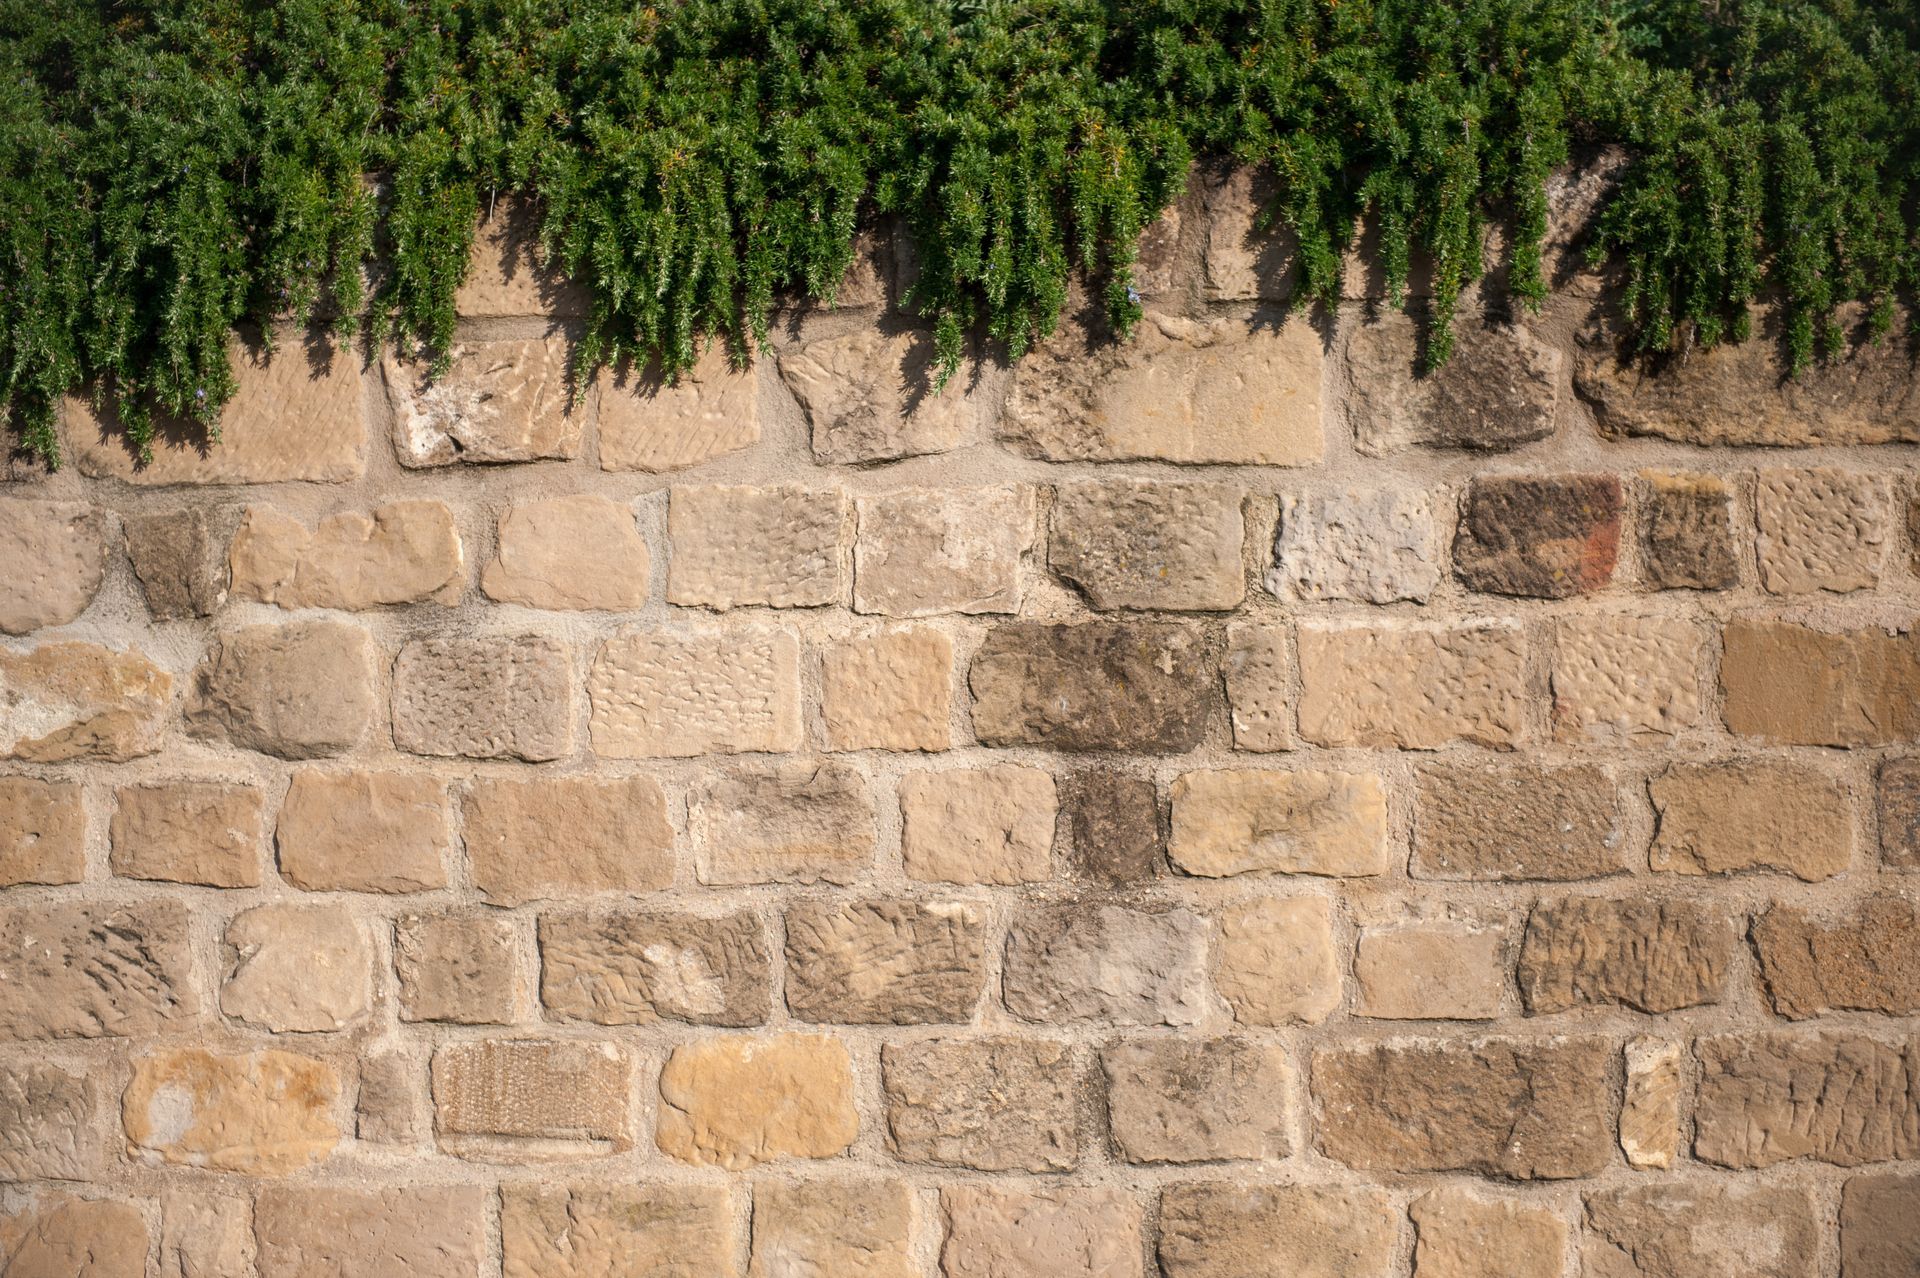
x: 847, y: 1228
x: 264, y: 1113
x: 1651, y: 956
x: 1258, y: 678
x: 633, y: 968
x: 1111, y: 825
x: 1791, y: 685
x: 392, y: 1107
x: 1523, y: 1109
x: 590, y: 1231
x: 1376, y: 546
x: 95, y: 970
x: 297, y: 968
x: 462, y: 968
x: 1423, y: 972
x: 1699, y: 1229
x: 1276, y: 962
x: 1898, y: 803
x: 1239, y: 822
x: 205, y: 832
x: 1725, y: 818
x: 1462, y: 1235
x: 1170, y: 1101
x: 498, y: 402
x: 737, y: 1102
x: 1877, y: 1237
x: 49, y: 1124
x: 1137, y: 686
x: 713, y: 410
x: 1650, y: 1110
x: 406, y: 552
x: 1413, y: 687
x: 300, y: 691
x: 556, y: 836
x: 1821, y: 529
x: 364, y: 832
x: 892, y: 690
x: 986, y: 1103
x: 1687, y: 525
x: 795, y: 823
x: 517, y: 1100
x: 995, y: 1233
x: 1839, y: 1097
x: 1626, y: 679
x: 881, y: 962
x: 203, y: 1234
x: 1144, y: 543
x: 64, y: 701
x: 1865, y: 959
x: 869, y: 397
x: 780, y: 546
x: 508, y: 274
x: 1224, y: 1230
x: 1108, y: 963
x: 56, y: 556
x: 427, y: 1231
x: 60, y: 1236
x: 43, y: 831
x: 991, y: 825
x: 923, y: 551
x: 683, y: 695
x: 494, y: 698
x: 574, y: 552
x: 1548, y: 537
x: 1499, y: 389
x: 1244, y: 259
x: 180, y: 561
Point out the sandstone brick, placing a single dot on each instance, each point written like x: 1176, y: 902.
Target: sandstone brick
x: 987, y: 1103
x: 205, y: 832
x: 869, y: 396
x: 1422, y: 972
x: 683, y: 695
x: 501, y: 401
x: 1376, y: 546
x: 64, y: 701
x: 509, y: 274
x: 49, y: 1123
x: 262, y: 1113
x: 43, y: 831
x: 885, y: 962
x: 1898, y: 804
x: 1239, y: 822
x: 1180, y: 1101
x: 888, y: 691
x: 60, y: 1235
x: 1134, y: 686
x: 95, y: 970
x: 1413, y: 687
x: 1839, y: 1098
x: 1651, y: 956
x: 180, y: 561
x: 1687, y: 523
x: 1106, y: 962
x: 1821, y: 529
x: 560, y: 836
x: 850, y: 1228
x: 1877, y: 1237
x: 56, y: 557
x: 733, y: 546
x: 662, y: 1231
x: 1549, y: 537
x: 736, y: 1102
x: 392, y: 1106
x: 401, y: 553
x: 1724, y: 818
x: 1522, y: 1109
x: 1650, y: 1110
x: 300, y: 968
x: 997, y: 1233
x: 1245, y: 256
x: 1499, y: 389
x: 1700, y: 1230
x: 986, y: 825
x: 1795, y: 686
x: 634, y: 968
x: 1276, y: 963
x: 1866, y: 959
x: 1145, y: 543
x: 526, y: 1099
x: 205, y: 1234
x: 1517, y: 822
x: 922, y: 551
x: 364, y: 832
x: 1221, y: 1230
x: 1178, y: 390
x: 300, y: 691
x: 324, y: 1231
x: 1462, y: 1235
x: 1113, y: 830
x: 574, y: 552
x: 508, y: 697
x: 1257, y: 674
x: 1625, y: 679
x: 462, y: 968
x: 711, y: 411
x: 794, y: 823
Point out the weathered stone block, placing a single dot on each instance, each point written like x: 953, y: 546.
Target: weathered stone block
x: 300, y: 691
x: 64, y: 701
x: 1517, y: 822
x: 504, y: 401
x: 1725, y: 818
x: 1180, y: 1101
x: 1114, y: 833
x: 458, y: 967
x: 402, y: 553
x: 1651, y: 956
x: 1460, y: 1235
x: 1791, y: 685
x: 258, y: 1113
x: 847, y: 1228
x: 1145, y: 543
x: 297, y: 968
x: 633, y: 968
x: 736, y: 1102
x: 1627, y: 680
x: 43, y: 832
x: 1547, y: 537
x: 575, y: 552
x: 1376, y: 546
x: 364, y: 832
x: 49, y: 1124
x: 1258, y: 675
x: 1223, y: 1230
x: 888, y: 691
x: 1687, y: 521
x: 879, y: 962
x: 562, y: 836
x: 1821, y: 529
x: 987, y: 825
x: 869, y: 397
x: 422, y: 1231
x: 587, y: 1231
x: 711, y: 411
x: 1431, y: 972
x: 997, y: 1233
x: 779, y: 546
x: 1700, y: 1230
x: 509, y: 273
x: 180, y: 560
x: 1650, y: 1109
x: 94, y: 970
x: 1498, y: 390
x: 1135, y: 686
x: 1839, y: 1098
x: 988, y: 1103
x: 58, y: 1235
x: 1239, y: 822
x: 525, y: 1099
x: 205, y: 1234
x: 683, y: 695
x: 56, y: 557
x: 1246, y: 256
x: 1276, y: 963
x: 795, y: 823
x: 1413, y: 687
x: 1898, y: 801
x: 1866, y: 959
x: 922, y: 551
x: 1105, y: 962
x: 1877, y: 1237
x: 204, y: 832
x: 484, y: 698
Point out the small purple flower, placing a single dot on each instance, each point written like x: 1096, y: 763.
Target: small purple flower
x: 1133, y: 295
x: 200, y: 393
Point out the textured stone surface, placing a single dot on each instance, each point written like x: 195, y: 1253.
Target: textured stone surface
x: 892, y: 690
x: 81, y: 701
x: 463, y: 968
x: 43, y: 830
x: 995, y: 1233
x: 922, y: 551
x: 304, y: 690
x: 1651, y: 956
x: 1650, y: 1109
x: 79, y: 970
x: 847, y: 1228
x: 986, y: 1103
x: 1173, y: 1101
x: 600, y: 1231
x: 632, y: 968
x: 364, y: 832
x: 263, y: 1113
x: 1074, y: 963
x: 425, y: 1231
x: 795, y: 823
x: 987, y: 825
x: 393, y: 1107
x: 493, y: 698
x: 1898, y: 804
x: 204, y: 832
x: 1687, y: 523
x: 736, y: 1102
x: 1462, y: 1235
x: 1700, y: 1230
x: 681, y: 695
x: 712, y: 411
x: 205, y: 1233
x: 1412, y: 687
x: 1821, y: 529
x: 1422, y: 972
x: 869, y: 397
x: 1544, y: 537
x: 1094, y: 686
x: 504, y: 401
x: 1877, y: 1237
x: 517, y: 1100
x: 61, y: 1235
x: 1276, y: 963
x: 56, y: 556
x: 1245, y: 258
x: 508, y: 273
x: 1791, y: 685
x: 1374, y: 545
x: 1864, y: 959
x: 1303, y: 822
x: 180, y: 561
x: 1725, y: 818
x: 1498, y: 390
x: 1839, y: 1097
x: 1112, y: 827
x: 406, y: 552
x: 1223, y: 1230
x: 1258, y: 677
x: 780, y: 546
x: 297, y: 968
x: 574, y: 552
x: 1626, y: 679
x: 49, y: 1123
x: 885, y: 962
x: 557, y: 836
x: 1143, y: 543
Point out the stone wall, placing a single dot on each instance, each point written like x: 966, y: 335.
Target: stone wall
x: 1215, y: 806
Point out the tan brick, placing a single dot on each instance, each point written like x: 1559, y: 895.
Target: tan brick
x: 1001, y: 1233
x: 1627, y: 680
x: 1146, y: 543
x: 1651, y: 956
x: 260, y: 1113
x: 632, y: 968
x: 923, y: 551
x: 880, y: 962
x: 1413, y: 687
x: 847, y: 1228
x: 1258, y: 677
x: 1840, y: 1097
x: 599, y: 1231
x: 1431, y: 972
x: 49, y: 1123
x: 1245, y: 256
x: 984, y: 1102
x: 405, y: 552
x: 508, y: 273
x: 81, y: 701
x: 56, y: 557
x: 205, y: 1233
x: 205, y: 832
x: 575, y: 552
x: 737, y: 1102
x: 1864, y: 959
x: 392, y: 1106
x: 869, y: 396
x: 711, y: 411
x: 683, y: 695
x: 1460, y: 1235
x: 1239, y: 822
x: 1498, y: 390
x: 304, y: 690
x: 1517, y: 821
x: 364, y: 832
x: 800, y: 822
x: 1688, y: 525
x: 1701, y: 1229
x: 1877, y: 1237
x: 485, y: 698
x: 497, y: 402
x: 1795, y: 686
x: 888, y: 691
x: 1276, y: 963
x: 778, y: 546
x: 1190, y: 1101
x: 59, y: 1235
x: 43, y: 832
x: 1650, y: 1109
x: 181, y: 561
x: 462, y: 967
x: 1821, y: 529
x: 986, y: 825
x: 95, y: 970
x: 323, y: 1231
x: 1134, y: 686
x: 1106, y: 962
x: 1377, y: 546
x: 1222, y: 1230
x: 520, y: 1100
x: 550, y: 837
x: 1724, y: 818
x: 300, y: 968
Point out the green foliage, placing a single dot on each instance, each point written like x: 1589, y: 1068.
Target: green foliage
x: 173, y: 169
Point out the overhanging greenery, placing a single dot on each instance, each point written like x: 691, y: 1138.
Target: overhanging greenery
x: 171, y: 168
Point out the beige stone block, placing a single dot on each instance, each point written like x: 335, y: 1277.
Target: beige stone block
x: 364, y: 832
x: 869, y: 396
x: 1626, y: 680
x: 1439, y: 972
x: 1460, y: 1234
x: 1413, y: 686
x: 1106, y: 962
x: 263, y: 1113
x: 1767, y: 1098
x: 1045, y: 1233
x: 204, y: 832
x: 633, y: 968
x: 57, y: 1235
x: 464, y: 968
x: 778, y: 546
x: 64, y: 701
x: 506, y: 697
x: 43, y: 832
x: 421, y: 1231
x: 604, y: 1231
x: 56, y: 557
x: 95, y: 970
x: 509, y: 274
x: 205, y: 1234
x: 847, y: 1228
x: 1650, y: 1110
x: 575, y: 552
x: 501, y: 401
x: 1149, y: 544
x: 297, y: 968
x: 1651, y: 956
x: 985, y: 825
x: 892, y: 690
x: 1179, y: 1100
x: 711, y: 411
x: 1866, y: 958
x: 1275, y: 964
x: 1259, y: 670
x: 1223, y: 1230
x: 401, y: 553
x: 922, y: 551
x: 1740, y: 815
x: 681, y: 695
x: 180, y: 558
x: 1791, y: 685
x: 800, y: 822
x: 1821, y: 529
x: 49, y: 1123
x: 737, y: 1102
x: 548, y: 837
x: 530, y: 1100
x: 304, y: 690
x: 1230, y: 822
x: 879, y: 962
x: 1517, y: 821
x: 1696, y: 1229
x: 988, y: 1103
x: 1375, y: 546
